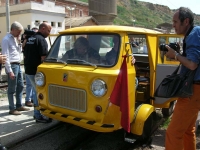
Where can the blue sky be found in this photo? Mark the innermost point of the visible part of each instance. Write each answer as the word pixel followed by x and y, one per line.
pixel 194 5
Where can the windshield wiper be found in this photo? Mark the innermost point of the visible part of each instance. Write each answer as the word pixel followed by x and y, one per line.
pixel 55 59
pixel 77 61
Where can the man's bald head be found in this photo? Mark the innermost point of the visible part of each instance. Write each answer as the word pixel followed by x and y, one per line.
pixel 45 29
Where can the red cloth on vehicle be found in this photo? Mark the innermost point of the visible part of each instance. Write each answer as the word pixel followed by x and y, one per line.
pixel 119 96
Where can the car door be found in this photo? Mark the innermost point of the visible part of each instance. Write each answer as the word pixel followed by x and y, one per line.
pixel 164 65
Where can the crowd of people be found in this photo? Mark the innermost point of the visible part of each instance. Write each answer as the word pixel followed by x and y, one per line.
pixel 35 51
pixel 181 130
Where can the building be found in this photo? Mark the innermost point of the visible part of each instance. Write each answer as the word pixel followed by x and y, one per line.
pixel 76 13
pixel 61 14
pixel 74 8
pixel 31 14
pixel 165 28
pixel 80 21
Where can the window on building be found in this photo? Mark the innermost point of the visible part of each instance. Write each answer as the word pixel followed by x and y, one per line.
pixel 16 1
pixel 53 24
pixel 80 13
pixel 59 24
pixel 37 22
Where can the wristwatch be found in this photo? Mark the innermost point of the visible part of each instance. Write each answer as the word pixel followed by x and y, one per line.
pixel 176 55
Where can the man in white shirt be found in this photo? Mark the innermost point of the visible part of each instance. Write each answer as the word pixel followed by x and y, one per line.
pixel 12 49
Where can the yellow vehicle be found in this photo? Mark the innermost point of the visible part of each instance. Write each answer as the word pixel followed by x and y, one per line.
pixel 77 90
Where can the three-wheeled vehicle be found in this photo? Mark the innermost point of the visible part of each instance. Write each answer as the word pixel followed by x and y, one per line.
pixel 77 89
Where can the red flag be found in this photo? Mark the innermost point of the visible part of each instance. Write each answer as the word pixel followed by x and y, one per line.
pixel 119 96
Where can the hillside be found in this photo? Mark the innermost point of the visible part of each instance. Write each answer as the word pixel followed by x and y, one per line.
pixel 145 14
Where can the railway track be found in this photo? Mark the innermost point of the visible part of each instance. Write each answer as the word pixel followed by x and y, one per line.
pixel 69 137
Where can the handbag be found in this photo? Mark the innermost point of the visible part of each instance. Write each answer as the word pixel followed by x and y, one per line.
pixel 176 85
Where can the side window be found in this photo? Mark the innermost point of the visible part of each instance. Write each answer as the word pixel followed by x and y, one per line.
pixel 138 44
pixel 174 42
pixel 140 48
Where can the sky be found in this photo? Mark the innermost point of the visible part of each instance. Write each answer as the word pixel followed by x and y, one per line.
pixel 194 5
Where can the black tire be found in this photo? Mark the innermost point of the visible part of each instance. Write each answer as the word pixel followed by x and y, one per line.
pixel 148 127
pixel 145 138
pixel 168 111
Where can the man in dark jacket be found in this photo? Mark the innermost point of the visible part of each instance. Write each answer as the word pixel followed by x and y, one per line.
pixel 35 51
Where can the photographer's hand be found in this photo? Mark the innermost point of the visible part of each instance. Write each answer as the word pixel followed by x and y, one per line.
pixel 171 53
pixel 183 60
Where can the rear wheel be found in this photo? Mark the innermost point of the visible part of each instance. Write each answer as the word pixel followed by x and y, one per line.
pixel 168 111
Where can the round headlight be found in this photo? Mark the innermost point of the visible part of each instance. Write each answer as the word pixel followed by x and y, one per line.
pixel 98 87
pixel 39 79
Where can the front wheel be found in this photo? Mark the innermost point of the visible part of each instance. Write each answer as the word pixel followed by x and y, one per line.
pixel 146 135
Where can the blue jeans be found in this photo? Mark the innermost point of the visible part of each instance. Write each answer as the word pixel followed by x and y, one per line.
pixel 29 90
pixel 15 86
pixel 37 113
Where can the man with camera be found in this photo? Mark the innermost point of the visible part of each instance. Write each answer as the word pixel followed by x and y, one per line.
pixel 181 130
pixel 27 34
pixel 29 88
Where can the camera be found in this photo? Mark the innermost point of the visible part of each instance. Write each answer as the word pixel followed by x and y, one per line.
pixel 174 46
pixel 26 35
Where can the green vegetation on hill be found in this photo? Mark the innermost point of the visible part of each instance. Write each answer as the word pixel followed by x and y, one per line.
pixel 148 15
pixel 84 1
pixel 144 14
pixel 138 14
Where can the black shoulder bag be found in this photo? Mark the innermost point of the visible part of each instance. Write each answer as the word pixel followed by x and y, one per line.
pixel 176 85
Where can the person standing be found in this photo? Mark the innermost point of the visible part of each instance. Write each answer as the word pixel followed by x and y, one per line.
pixel 180 133
pixel 12 50
pixel 2 61
pixel 29 87
pixel 35 51
pixel 134 43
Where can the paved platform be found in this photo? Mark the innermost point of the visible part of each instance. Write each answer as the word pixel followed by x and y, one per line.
pixel 16 128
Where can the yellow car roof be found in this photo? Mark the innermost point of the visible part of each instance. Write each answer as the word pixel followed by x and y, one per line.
pixel 109 28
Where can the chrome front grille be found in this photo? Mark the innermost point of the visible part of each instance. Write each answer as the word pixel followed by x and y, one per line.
pixel 66 97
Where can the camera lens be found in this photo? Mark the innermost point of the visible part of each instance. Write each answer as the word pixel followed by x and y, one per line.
pixel 163 48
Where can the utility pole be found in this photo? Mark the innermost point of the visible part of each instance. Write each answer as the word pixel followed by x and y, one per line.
pixel 7 15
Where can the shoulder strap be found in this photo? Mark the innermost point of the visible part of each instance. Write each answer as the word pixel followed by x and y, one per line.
pixel 176 70
pixel 184 44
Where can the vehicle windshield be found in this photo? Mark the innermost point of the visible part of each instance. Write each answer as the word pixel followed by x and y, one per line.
pixel 86 49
